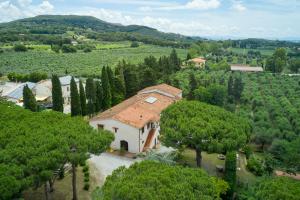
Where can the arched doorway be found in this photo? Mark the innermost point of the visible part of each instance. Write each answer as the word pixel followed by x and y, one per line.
pixel 124 145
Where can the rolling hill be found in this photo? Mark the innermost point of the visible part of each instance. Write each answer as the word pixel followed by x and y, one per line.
pixel 40 26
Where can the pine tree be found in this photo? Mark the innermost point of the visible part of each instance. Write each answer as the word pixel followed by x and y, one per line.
pixel 82 99
pixel 29 99
pixel 193 86
pixel 57 98
pixel 90 95
pixel 107 99
pixel 75 99
pixel 99 96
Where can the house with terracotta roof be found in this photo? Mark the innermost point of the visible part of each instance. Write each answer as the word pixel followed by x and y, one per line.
pixel 197 62
pixel 135 121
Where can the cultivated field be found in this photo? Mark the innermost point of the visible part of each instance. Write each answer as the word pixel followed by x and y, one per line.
pixel 44 60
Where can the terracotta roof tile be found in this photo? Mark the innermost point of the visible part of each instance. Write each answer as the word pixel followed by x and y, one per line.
pixel 162 87
pixel 136 111
pixel 198 60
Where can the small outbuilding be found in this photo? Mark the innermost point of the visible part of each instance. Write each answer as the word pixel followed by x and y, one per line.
pixel 246 68
pixel 197 62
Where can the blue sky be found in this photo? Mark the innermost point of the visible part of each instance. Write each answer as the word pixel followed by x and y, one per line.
pixel 272 19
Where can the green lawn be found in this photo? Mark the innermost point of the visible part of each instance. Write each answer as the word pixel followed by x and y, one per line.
pixel 63 188
pixel 78 63
pixel 264 52
pixel 209 162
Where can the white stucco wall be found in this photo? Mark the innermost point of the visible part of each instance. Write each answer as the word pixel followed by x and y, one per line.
pixel 124 132
pixel 66 93
pixel 134 136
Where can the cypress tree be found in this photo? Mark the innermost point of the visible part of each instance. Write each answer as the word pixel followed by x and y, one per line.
pixel 148 77
pixel 238 88
pixel 57 98
pixel 131 80
pixel 29 99
pixel 75 99
pixel 230 89
pixel 120 90
pixel 193 86
pixel 82 99
pixel 119 73
pixel 111 79
pixel 230 173
pixel 90 95
pixel 188 56
pixel 90 107
pixel 106 103
pixel 175 61
pixel 99 96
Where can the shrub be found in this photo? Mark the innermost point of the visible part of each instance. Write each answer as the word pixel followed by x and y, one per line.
pixel 1 51
pixel 20 47
pixel 68 49
pixel 87 50
pixel 86 186
pixel 247 150
pixel 134 44
pixel 86 174
pixel 255 166
pixel 85 169
pixel 61 173
pixel 55 48
pixel 86 179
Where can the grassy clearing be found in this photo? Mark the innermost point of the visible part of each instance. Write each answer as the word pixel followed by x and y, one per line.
pixel 115 45
pixel 209 162
pixel 264 52
pixel 77 63
pixel 63 188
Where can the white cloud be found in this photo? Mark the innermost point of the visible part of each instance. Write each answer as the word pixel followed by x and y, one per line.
pixel 106 15
pixel 145 9
pixel 24 8
pixel 196 5
pixel 238 6
pixel 203 4
pixel 24 3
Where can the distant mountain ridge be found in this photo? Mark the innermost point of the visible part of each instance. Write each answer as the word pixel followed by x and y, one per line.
pixel 59 24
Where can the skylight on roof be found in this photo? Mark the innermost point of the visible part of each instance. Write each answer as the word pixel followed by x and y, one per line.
pixel 151 100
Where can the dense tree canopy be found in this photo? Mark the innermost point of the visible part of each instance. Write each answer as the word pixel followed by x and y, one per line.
pixel 31 148
pixel 150 180
pixel 202 127
pixel 277 188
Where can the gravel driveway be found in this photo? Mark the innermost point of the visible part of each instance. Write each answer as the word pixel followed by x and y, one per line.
pixel 106 163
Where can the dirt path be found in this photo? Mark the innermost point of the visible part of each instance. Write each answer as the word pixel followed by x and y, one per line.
pixel 281 173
